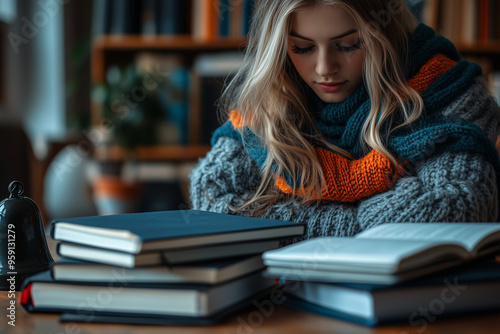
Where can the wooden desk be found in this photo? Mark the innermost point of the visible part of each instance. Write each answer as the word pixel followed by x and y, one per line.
pixel 282 320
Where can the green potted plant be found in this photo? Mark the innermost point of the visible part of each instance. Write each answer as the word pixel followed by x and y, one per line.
pixel 133 113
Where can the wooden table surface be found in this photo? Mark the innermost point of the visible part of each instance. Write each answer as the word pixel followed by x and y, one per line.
pixel 250 321
pixel 280 320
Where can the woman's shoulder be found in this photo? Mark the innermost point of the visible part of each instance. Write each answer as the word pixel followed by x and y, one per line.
pixel 478 106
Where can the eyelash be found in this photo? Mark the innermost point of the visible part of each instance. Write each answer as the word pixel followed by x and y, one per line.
pixel 301 51
pixel 343 49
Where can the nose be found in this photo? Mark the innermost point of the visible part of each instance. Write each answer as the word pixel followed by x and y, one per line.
pixel 327 63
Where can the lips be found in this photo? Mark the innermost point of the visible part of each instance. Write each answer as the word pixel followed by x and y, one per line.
pixel 330 87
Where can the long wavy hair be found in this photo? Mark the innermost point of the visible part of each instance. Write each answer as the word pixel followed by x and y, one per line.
pixel 275 103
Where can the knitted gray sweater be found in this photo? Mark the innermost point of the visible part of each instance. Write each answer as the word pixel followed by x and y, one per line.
pixel 449 187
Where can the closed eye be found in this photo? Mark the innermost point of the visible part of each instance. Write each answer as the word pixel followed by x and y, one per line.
pixel 347 49
pixel 301 51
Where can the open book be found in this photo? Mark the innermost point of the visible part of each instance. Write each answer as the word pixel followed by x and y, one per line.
pixel 385 254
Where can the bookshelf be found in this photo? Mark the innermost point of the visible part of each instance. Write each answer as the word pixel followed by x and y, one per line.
pixel 106 49
pixel 200 32
pixel 472 25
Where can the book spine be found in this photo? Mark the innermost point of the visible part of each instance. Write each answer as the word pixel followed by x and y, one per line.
pixel 124 18
pixel 236 28
pixel 173 17
pixel 247 15
pixel 494 84
pixel 224 11
pixel 493 19
pixel 484 21
pixel 430 13
pixel 149 17
pixel 178 97
pixel 209 20
pixel 100 17
pixel 449 15
pixel 469 31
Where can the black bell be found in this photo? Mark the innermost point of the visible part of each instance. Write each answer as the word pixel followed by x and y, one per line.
pixel 23 248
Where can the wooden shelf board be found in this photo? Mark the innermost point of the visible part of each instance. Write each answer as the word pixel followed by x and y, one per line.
pixel 486 48
pixel 162 152
pixel 139 42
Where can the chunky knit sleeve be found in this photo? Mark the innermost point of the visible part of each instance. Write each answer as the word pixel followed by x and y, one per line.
pixel 227 173
pixel 452 187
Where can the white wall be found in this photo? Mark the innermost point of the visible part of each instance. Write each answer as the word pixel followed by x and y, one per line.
pixel 36 71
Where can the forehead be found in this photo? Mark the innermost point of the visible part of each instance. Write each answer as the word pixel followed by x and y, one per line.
pixel 321 22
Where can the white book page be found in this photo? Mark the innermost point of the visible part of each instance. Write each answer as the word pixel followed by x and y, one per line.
pixel 349 254
pixel 466 234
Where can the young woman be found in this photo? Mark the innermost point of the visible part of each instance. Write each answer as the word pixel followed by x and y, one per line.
pixel 347 114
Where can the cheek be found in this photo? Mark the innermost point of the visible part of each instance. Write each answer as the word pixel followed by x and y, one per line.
pixel 353 67
pixel 301 65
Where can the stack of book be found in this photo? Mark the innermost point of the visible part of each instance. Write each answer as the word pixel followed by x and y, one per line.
pixel 159 267
pixel 412 273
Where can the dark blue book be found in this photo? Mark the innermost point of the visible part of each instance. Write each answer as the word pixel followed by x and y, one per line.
pixel 162 230
pixel 247 15
pixel 101 16
pixel 149 17
pixel 41 293
pixel 125 17
pixel 474 288
pixel 172 17
pixel 224 13
pixel 176 98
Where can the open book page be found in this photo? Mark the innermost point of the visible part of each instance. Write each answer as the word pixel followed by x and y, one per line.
pixel 361 255
pixel 469 235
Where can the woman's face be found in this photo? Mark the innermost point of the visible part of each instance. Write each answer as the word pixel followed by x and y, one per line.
pixel 325 48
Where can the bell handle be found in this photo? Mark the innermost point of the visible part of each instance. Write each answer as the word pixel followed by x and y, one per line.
pixel 16 189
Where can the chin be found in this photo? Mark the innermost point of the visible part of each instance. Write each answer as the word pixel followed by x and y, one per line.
pixel 332 98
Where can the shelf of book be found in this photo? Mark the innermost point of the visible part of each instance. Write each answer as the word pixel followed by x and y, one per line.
pixel 169 42
pixel 472 25
pixel 164 30
pixel 487 48
pixel 138 43
pixel 474 28
pixel 108 49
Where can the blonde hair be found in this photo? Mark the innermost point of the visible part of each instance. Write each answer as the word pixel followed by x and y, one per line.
pixel 274 102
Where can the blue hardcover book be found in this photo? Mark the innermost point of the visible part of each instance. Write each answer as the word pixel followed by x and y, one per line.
pixel 125 17
pixel 149 17
pixel 474 288
pixel 101 15
pixel 178 101
pixel 247 15
pixel 224 14
pixel 173 17
pixel 41 293
pixel 162 230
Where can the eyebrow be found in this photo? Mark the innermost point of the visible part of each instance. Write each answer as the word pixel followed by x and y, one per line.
pixel 347 33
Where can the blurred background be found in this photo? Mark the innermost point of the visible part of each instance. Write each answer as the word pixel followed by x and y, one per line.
pixel 106 105
pixel 44 86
